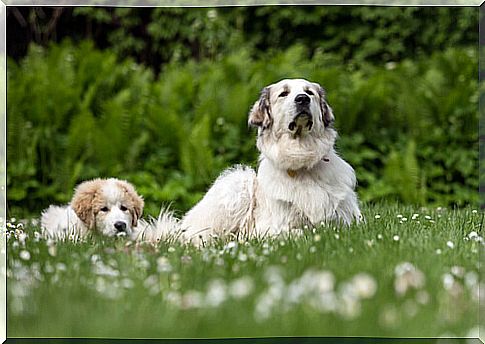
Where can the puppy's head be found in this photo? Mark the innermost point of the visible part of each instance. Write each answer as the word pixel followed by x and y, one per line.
pixel 294 106
pixel 110 206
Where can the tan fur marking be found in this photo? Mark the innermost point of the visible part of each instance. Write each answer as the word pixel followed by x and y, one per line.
pixel 132 200
pixel 87 201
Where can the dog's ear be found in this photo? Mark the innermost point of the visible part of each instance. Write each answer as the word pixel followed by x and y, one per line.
pixel 137 209
pixel 134 201
pixel 83 201
pixel 260 114
pixel 327 113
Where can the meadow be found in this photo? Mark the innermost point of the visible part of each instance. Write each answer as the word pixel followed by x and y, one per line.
pixel 160 97
pixel 406 272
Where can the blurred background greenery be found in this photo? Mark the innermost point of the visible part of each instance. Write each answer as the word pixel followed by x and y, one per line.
pixel 160 96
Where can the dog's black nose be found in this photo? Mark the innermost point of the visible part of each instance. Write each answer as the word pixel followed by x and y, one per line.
pixel 120 226
pixel 302 99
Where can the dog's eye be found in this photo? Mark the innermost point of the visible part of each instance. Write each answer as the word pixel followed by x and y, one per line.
pixel 310 93
pixel 104 209
pixel 123 208
pixel 283 94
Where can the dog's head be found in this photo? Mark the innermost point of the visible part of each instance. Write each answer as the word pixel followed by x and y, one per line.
pixel 111 206
pixel 294 124
pixel 295 106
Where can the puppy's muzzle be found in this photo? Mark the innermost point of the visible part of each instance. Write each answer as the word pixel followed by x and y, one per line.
pixel 120 226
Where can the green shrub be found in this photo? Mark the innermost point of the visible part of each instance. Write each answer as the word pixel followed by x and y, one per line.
pixel 409 129
pixel 354 34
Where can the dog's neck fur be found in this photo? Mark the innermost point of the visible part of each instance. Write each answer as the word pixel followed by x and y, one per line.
pixel 292 155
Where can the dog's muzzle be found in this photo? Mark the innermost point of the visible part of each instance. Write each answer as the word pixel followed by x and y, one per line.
pixel 303 119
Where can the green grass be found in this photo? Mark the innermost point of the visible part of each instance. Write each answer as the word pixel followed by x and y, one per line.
pixel 330 282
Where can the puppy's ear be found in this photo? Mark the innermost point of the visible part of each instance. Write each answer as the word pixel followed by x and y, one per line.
pixel 134 201
pixel 260 114
pixel 327 113
pixel 83 201
pixel 137 209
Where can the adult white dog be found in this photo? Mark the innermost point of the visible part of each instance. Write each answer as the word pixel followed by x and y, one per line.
pixel 300 180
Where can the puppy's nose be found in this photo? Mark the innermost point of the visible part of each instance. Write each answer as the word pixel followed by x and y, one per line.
pixel 302 99
pixel 120 226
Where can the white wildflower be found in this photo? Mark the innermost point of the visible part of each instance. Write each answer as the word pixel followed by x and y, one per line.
pixel 163 265
pixel 52 250
pixel 25 255
pixel 458 271
pixel 407 277
pixel 191 299
pixel 241 287
pixel 364 285
pixel 216 293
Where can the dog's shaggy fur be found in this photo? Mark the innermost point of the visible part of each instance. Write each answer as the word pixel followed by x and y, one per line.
pixel 300 180
pixel 109 206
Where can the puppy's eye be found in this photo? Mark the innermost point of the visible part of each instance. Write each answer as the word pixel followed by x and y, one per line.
pixel 310 93
pixel 104 209
pixel 283 94
pixel 123 208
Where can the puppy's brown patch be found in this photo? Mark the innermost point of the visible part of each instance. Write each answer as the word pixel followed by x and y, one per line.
pixel 87 201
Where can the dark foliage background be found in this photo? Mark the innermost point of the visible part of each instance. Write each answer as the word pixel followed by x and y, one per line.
pixel 160 96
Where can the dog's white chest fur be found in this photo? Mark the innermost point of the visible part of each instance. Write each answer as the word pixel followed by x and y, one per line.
pixel 304 197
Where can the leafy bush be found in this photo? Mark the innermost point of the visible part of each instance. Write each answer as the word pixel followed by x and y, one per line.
pixel 154 36
pixel 409 129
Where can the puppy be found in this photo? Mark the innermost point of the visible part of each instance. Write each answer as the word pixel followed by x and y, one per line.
pixel 300 180
pixel 108 206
